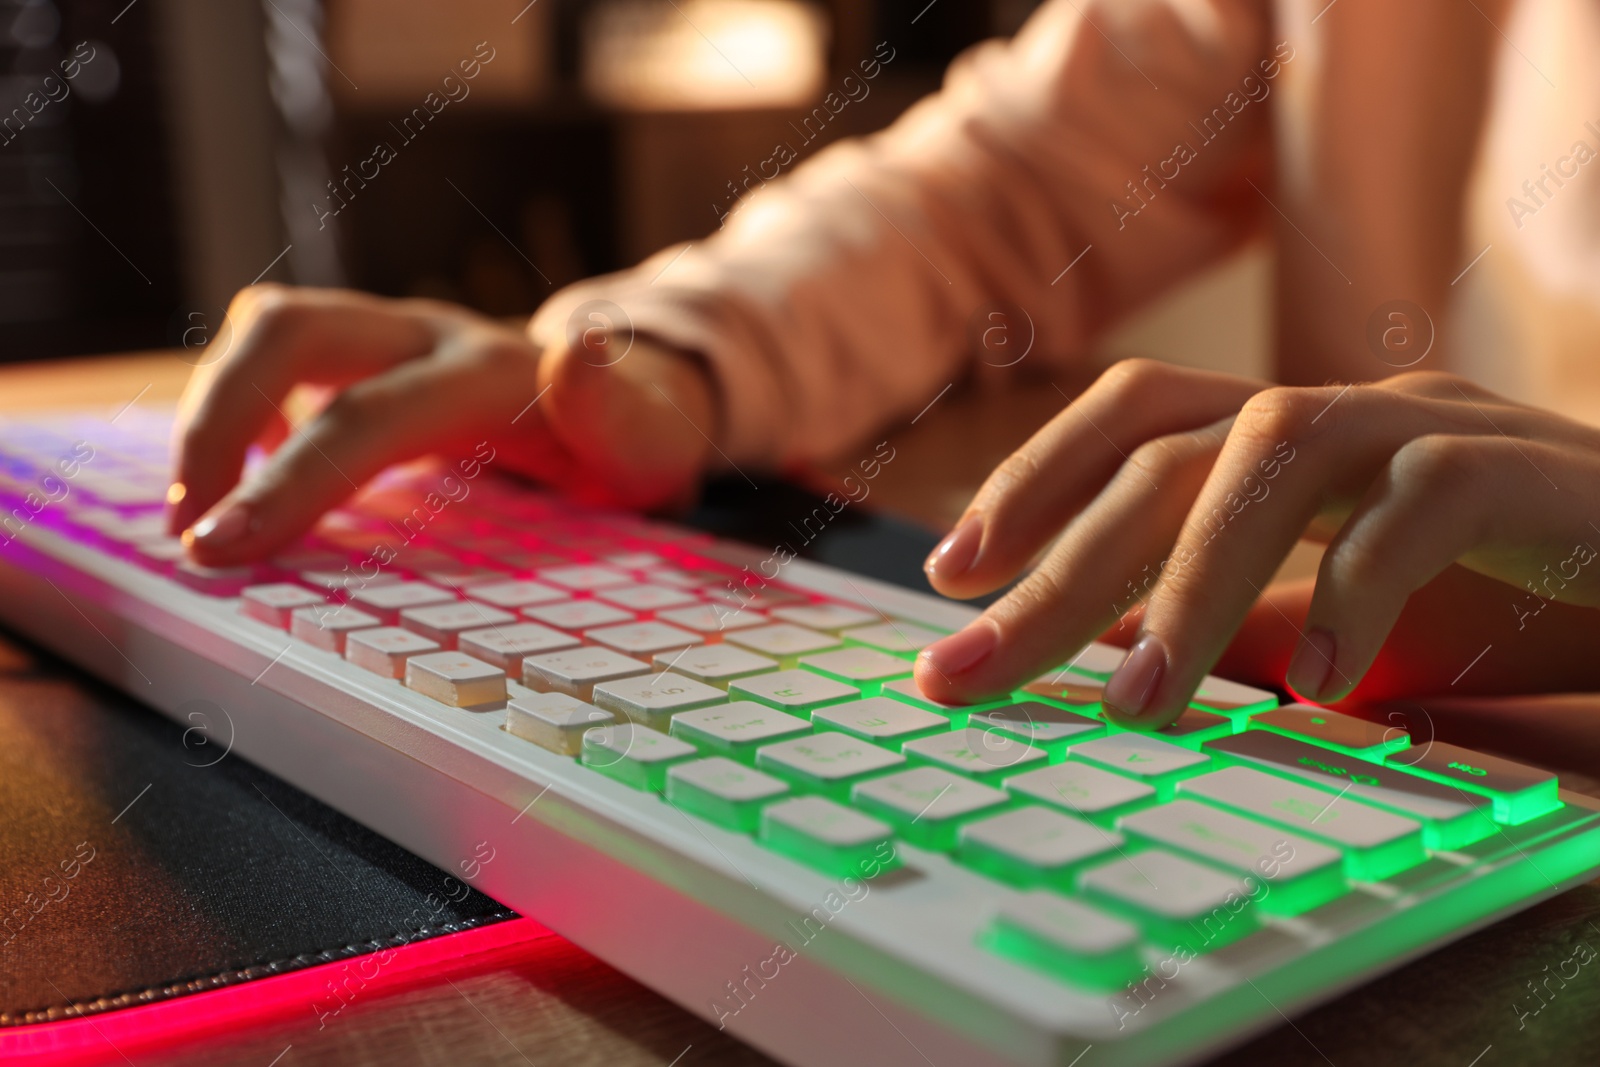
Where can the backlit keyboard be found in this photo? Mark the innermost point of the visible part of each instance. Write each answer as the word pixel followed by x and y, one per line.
pixel 729 786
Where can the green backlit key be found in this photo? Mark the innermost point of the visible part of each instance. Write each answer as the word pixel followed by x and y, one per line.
pixel 928 805
pixel 794 691
pixel 736 730
pixel 1068 688
pixel 1176 900
pixel 1033 845
pixel 634 755
pixel 880 720
pixel 1072 941
pixel 1044 726
pixel 1300 874
pixel 987 755
pixel 722 791
pixel 829 837
pixel 716 664
pixel 1231 698
pixel 856 665
pixel 1153 761
pixel 1082 789
pixel 906 689
pixel 1195 727
pixel 1519 793
pixel 1345 733
pixel 653 699
pixel 1376 843
pixel 904 638
pixel 827 762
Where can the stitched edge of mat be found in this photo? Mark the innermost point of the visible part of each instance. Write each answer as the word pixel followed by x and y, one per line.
pixel 235 976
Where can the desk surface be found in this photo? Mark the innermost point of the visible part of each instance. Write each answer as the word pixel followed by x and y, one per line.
pixel 1469 1005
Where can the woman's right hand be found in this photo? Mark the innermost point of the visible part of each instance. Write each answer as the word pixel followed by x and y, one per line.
pixel 408 378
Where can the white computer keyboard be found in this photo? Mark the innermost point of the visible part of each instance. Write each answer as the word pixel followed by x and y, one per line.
pixel 731 789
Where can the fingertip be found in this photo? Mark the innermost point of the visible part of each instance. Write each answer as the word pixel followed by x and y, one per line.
pixel 953 558
pixel 946 669
pixel 1131 696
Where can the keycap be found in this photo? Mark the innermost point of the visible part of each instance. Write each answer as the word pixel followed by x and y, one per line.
pixel 743 597
pixel 906 689
pixel 445 622
pixel 1450 817
pixel 575 671
pixel 1150 759
pixel 1376 843
pixel 711 618
pixel 458 578
pixel 130 528
pixel 385 649
pixel 927 805
pixel 584 577
pixel 723 791
pixel 1044 726
pixel 987 755
pixel 327 625
pixel 716 664
pixel 554 721
pixel 1194 728
pixel 577 615
pixel 274 604
pixel 1067 687
pixel 642 638
pixel 653 699
pixel 880 720
pixel 634 755
pixel 1072 941
pixel 1358 737
pixel 633 561
pixel 515 594
pixel 794 691
pixel 345 581
pixel 893 636
pixel 505 646
pixel 826 763
pixel 1300 873
pixel 829 837
pixel 213 581
pixel 737 730
pixel 1081 789
pixel 1231 698
pixel 1176 900
pixel 856 665
pixel 829 617
pixel 1034 846
pixel 1098 660
pixel 783 641
pixel 161 549
pixel 386 601
pixel 646 597
pixel 456 679
pixel 1518 792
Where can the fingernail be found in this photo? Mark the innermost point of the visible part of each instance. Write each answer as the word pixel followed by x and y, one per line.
pixel 962 650
pixel 1129 691
pixel 1312 664
pixel 954 556
pixel 219 530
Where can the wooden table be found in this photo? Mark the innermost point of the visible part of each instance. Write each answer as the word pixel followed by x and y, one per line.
pixel 555 1004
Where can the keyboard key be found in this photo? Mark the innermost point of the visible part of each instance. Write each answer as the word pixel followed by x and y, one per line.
pixel 1067 687
pixel 575 671
pixel 711 618
pixel 893 636
pixel 130 528
pixel 1151 760
pixel 794 691
pixel 385 649
pixel 1067 939
pixel 1300 873
pixel 577 615
pixel 758 599
pixel 584 577
pixel 445 622
pixel 505 646
pixel 1034 846
pixel 724 792
pixel 1043 726
pixel 514 595
pixel 634 755
pixel 634 561
pixel 327 625
pixel 716 664
pixel 987 755
pixel 927 805
pixel 1098 660
pixel 456 679
pixel 829 837
pixel 1176 900
pixel 642 638
pixel 161 549
pixel 1348 734
pixel 213 581
pixel 783 641
pixel 906 689
pixel 1518 792
pixel 653 699
pixel 274 604
pixel 1195 727
pixel 880 720
pixel 1082 789
pixel 737 730
pixel 857 665
pixel 1376 843
pixel 829 617
pixel 386 601
pixel 827 762
pixel 554 721
pixel 1450 817
pixel 344 581
pixel 646 597
pixel 1231 698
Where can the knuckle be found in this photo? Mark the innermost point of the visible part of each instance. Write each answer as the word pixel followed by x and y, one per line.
pixel 1160 457
pixel 1286 413
pixel 1440 463
pixel 1017 473
pixel 1130 379
pixel 1425 382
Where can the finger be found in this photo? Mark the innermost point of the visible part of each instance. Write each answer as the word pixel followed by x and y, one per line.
pixel 1030 496
pixel 1103 565
pixel 441 404
pixel 280 336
